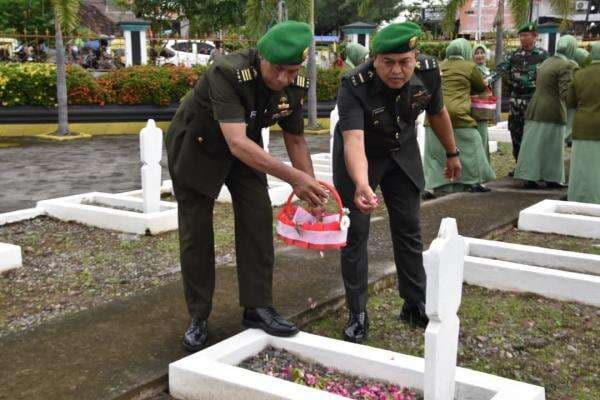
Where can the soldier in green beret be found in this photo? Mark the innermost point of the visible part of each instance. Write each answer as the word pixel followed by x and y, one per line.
pixel 215 139
pixel 375 144
pixel 520 68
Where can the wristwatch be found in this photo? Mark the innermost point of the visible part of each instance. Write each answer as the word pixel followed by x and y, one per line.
pixel 455 154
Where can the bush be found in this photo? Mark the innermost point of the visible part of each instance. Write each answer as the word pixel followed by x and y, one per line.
pixel 434 49
pixel 327 83
pixel 34 84
pixel 27 84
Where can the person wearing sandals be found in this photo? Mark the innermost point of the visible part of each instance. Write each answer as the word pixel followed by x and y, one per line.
pixel 542 150
pixel 460 78
pixel 584 184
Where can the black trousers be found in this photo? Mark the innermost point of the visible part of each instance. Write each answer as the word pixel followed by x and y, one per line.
pixel 402 200
pixel 253 242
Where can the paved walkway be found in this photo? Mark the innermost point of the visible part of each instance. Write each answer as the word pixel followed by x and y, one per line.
pixel 40 171
pixel 113 350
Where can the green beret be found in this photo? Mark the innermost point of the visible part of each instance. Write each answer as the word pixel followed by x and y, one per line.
pixel 396 38
pixel 528 27
pixel 286 43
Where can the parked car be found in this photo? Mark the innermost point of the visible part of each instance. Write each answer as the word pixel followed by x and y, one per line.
pixel 185 53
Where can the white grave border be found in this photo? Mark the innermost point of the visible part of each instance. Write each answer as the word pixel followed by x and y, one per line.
pixel 560 217
pixel 531 269
pixel 213 372
pixel 10 257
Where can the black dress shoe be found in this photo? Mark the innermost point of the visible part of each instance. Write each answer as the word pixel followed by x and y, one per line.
pixel 511 173
pixel 357 328
pixel 196 335
pixel 269 321
pixel 530 185
pixel 479 188
pixel 427 195
pixel 414 315
pixel 555 185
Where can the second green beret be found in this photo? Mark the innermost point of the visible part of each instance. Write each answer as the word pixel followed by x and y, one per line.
pixel 286 43
pixel 396 38
pixel 528 27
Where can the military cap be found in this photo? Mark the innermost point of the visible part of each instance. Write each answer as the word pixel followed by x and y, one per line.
pixel 286 43
pixel 528 27
pixel 396 38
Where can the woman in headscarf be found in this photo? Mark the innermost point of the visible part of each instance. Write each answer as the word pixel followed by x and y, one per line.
pixel 584 183
pixel 579 61
pixel 356 54
pixel 460 78
pixel 480 57
pixel 541 155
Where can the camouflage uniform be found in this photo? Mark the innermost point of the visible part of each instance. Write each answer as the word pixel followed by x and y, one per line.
pixel 521 69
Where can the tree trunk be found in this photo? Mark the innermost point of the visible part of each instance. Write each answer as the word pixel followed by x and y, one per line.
pixel 499 56
pixel 312 73
pixel 61 82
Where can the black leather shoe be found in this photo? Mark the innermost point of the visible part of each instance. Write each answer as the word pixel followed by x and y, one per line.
pixel 479 188
pixel 269 321
pixel 530 185
pixel 196 335
pixel 427 195
pixel 511 173
pixel 357 328
pixel 414 315
pixel 555 185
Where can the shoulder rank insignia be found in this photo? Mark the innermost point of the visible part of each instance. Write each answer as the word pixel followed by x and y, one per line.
pixel 245 74
pixel 302 81
pixel 426 64
pixel 361 77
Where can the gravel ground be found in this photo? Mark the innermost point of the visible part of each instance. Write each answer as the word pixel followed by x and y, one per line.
pixel 285 365
pixel 68 267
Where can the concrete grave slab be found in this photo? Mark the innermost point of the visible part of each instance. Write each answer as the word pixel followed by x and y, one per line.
pixel 10 257
pixel 20 215
pixel 562 217
pixel 514 267
pixel 212 373
pixel 102 211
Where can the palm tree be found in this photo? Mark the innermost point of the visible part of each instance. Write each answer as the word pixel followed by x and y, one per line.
pixel 65 19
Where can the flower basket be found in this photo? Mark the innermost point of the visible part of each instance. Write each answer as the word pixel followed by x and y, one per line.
pixel 483 109
pixel 298 227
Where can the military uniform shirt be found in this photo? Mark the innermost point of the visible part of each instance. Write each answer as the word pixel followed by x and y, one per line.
pixel 387 116
pixel 231 90
pixel 520 66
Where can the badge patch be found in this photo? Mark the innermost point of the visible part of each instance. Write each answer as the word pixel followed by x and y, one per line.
pixel 378 110
pixel 253 114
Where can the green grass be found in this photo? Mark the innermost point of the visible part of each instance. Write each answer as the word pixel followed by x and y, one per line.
pixel 548 240
pixel 502 161
pixel 518 336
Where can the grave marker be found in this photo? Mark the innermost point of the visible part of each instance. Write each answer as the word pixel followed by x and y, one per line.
pixel 150 154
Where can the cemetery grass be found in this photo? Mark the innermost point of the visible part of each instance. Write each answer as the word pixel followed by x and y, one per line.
pixel 69 267
pixel 503 162
pixel 518 336
pixel 548 240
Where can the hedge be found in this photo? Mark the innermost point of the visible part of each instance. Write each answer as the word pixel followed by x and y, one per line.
pixel 34 84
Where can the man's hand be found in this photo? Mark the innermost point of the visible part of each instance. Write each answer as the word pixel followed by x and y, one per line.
pixel 452 169
pixel 365 200
pixel 307 188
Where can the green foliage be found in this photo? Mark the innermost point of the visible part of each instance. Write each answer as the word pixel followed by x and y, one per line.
pixel 67 13
pixel 157 12
pixel 328 83
pixel 29 15
pixel 434 49
pixel 35 85
pixel 262 14
pixel 330 15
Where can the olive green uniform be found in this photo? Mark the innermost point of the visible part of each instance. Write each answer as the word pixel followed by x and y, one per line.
pixel 521 69
pixel 231 90
pixel 387 117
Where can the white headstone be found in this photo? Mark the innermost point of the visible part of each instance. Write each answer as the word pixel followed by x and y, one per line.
pixel 150 154
pixel 444 267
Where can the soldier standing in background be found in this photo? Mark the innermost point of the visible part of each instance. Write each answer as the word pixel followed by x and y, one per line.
pixel 520 66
